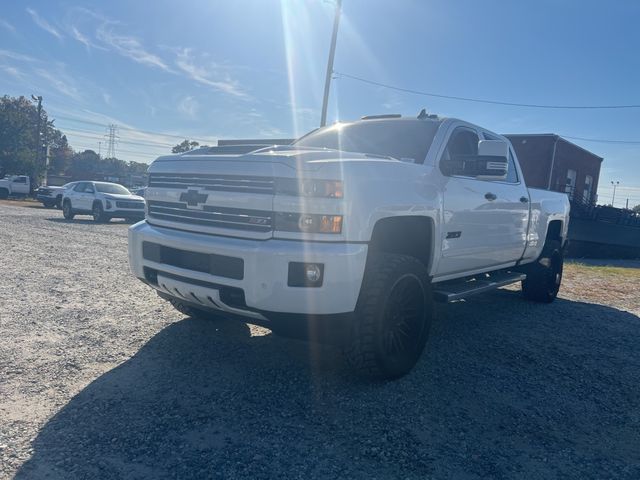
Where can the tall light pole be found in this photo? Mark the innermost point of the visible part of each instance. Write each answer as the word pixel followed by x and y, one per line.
pixel 613 200
pixel 332 54
pixel 39 134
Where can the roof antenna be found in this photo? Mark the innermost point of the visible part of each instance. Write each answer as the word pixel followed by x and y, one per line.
pixel 423 114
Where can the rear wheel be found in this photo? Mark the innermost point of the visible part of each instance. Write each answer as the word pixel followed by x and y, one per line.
pixel 392 318
pixel 67 211
pixel 544 277
pixel 49 204
pixel 4 193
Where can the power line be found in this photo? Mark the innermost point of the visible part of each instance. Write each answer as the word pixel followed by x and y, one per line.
pixel 130 152
pixel 97 136
pixel 478 100
pixel 149 132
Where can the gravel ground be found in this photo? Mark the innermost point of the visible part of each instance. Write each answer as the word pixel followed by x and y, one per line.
pixel 99 378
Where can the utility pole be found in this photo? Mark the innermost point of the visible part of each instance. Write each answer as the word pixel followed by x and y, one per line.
pixel 99 148
pixel 39 134
pixel 627 206
pixel 45 148
pixel 332 54
pixel 613 200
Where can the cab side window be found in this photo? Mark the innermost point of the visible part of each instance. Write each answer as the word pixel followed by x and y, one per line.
pixel 20 180
pixel 89 188
pixel 80 187
pixel 463 141
pixel 512 173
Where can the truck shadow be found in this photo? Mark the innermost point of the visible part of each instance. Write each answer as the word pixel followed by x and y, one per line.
pixel 506 388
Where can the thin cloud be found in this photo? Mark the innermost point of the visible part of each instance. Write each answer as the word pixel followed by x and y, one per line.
pixel 83 39
pixel 7 26
pixel 189 106
pixel 131 48
pixel 13 71
pixel 16 56
pixel 43 24
pixel 200 74
pixel 60 82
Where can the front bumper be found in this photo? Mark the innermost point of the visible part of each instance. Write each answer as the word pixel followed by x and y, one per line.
pixel 266 267
pixel 45 198
pixel 125 213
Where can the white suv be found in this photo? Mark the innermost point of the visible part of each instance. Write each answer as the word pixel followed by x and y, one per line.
pixel 103 201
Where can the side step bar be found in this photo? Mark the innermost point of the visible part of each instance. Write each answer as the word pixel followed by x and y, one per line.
pixel 453 290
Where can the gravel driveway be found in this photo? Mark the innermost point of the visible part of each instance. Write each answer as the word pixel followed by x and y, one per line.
pixel 99 378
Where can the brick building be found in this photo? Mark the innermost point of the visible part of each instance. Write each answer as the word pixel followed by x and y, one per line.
pixel 551 162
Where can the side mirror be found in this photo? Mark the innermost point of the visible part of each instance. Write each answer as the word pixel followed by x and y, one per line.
pixel 496 164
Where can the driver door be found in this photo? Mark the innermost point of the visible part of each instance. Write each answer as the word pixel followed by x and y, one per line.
pixel 470 219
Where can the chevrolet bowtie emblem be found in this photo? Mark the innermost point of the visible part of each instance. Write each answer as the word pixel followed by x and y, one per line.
pixel 193 198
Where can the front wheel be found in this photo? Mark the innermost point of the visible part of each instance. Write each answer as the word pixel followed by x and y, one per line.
pixel 393 316
pixel 98 213
pixel 67 211
pixel 544 277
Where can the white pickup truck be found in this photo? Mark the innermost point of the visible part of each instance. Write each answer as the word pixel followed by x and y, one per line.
pixel 350 233
pixel 15 186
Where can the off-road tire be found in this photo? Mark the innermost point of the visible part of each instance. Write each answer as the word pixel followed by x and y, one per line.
pixel 386 338
pixel 192 312
pixel 49 204
pixel 4 193
pixel 545 276
pixel 67 211
pixel 98 213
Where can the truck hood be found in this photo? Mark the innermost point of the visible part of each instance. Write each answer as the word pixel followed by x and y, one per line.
pixel 114 196
pixel 288 155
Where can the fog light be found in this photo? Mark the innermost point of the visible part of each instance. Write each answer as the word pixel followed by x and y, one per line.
pixel 305 274
pixel 312 272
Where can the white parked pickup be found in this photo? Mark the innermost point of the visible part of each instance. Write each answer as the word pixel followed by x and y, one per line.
pixel 15 186
pixel 351 233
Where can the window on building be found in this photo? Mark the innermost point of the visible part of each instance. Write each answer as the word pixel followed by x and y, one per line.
pixel 588 189
pixel 570 187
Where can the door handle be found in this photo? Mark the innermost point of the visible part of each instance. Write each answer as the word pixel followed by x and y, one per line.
pixel 524 199
pixel 490 196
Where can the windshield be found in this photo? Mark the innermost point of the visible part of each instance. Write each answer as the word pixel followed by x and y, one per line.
pixel 112 188
pixel 404 140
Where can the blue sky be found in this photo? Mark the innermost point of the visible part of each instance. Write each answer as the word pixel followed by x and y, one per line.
pixel 207 69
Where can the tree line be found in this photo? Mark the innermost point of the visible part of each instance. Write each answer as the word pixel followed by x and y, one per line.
pixel 23 147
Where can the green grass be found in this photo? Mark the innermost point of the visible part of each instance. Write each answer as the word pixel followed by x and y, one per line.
pixel 604 269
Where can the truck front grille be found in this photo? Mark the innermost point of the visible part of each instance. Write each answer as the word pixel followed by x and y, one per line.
pixel 211 216
pixel 222 183
pixel 127 204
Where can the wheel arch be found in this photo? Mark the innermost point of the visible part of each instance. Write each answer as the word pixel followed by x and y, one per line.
pixel 554 231
pixel 406 235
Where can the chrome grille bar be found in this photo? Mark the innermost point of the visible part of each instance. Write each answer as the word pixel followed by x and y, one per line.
pixel 212 216
pixel 224 183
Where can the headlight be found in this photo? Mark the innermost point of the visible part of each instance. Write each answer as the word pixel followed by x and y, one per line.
pixel 309 187
pixel 308 223
pixel 108 204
